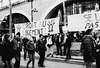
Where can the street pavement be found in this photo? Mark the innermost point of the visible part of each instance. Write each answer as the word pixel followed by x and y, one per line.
pixel 56 61
pixel 48 64
pixel 53 62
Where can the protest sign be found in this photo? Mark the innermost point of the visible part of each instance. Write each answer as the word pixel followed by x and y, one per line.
pixel 19 28
pixel 81 22
pixel 40 27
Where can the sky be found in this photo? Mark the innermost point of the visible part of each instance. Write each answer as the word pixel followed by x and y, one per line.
pixel 6 2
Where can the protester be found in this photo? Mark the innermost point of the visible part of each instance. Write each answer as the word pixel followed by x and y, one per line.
pixel 98 52
pixel 57 43
pixel 31 51
pixel 68 46
pixel 6 51
pixel 17 47
pixel 41 48
pixel 61 39
pixel 49 45
pixel 64 43
pixel 87 48
pixel 0 45
pixel 25 40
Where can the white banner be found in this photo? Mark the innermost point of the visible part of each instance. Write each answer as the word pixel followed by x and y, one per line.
pixel 81 22
pixel 41 27
pixel 19 28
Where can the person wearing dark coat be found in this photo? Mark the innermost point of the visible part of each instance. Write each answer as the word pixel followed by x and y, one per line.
pixel 87 48
pixel 25 40
pixel 98 53
pixel 68 47
pixel 6 51
pixel 59 40
pixel 41 48
pixel 64 43
pixel 57 44
pixel 17 46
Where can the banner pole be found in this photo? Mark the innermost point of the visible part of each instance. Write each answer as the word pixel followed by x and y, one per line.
pixel 10 19
pixel 64 11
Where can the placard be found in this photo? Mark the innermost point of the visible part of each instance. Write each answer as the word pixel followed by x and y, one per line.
pixel 40 27
pixel 81 22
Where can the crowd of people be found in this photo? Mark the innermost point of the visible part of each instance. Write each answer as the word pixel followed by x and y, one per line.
pixel 11 48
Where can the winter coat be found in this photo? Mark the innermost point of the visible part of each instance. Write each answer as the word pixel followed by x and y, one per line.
pixel 68 42
pixel 40 46
pixel 6 50
pixel 87 48
pixel 17 45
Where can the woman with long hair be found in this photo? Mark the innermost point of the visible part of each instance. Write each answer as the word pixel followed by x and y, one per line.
pixel 31 51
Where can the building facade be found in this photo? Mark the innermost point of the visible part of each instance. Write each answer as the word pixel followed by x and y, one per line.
pixel 44 9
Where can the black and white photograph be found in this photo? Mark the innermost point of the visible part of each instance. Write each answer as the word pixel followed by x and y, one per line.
pixel 49 33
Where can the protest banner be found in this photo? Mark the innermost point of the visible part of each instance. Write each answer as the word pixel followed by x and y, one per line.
pixel 19 28
pixel 82 22
pixel 40 27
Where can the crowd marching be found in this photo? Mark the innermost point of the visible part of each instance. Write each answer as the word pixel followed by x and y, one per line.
pixel 11 48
